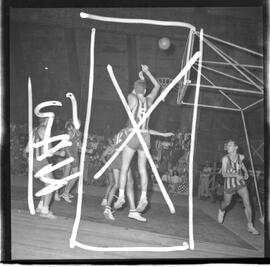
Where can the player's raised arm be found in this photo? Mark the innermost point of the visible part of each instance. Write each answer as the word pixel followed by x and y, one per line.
pixel 152 96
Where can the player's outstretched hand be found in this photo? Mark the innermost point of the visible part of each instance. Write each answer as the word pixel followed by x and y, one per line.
pixel 141 75
pixel 145 68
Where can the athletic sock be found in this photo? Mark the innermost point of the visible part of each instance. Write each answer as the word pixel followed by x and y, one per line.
pixel 143 195
pixel 133 210
pixel 45 210
pixel 40 204
pixel 121 193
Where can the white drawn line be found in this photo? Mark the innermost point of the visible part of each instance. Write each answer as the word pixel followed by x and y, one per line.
pixel 84 144
pixel 149 111
pixel 185 246
pixel 74 111
pixel 141 139
pixel 138 21
pixel 192 146
pixel 30 150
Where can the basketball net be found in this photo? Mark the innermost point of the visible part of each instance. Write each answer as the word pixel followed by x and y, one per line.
pixel 165 81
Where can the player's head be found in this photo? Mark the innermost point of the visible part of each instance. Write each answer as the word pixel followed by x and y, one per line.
pixel 140 87
pixel 43 120
pixel 231 146
pixel 70 127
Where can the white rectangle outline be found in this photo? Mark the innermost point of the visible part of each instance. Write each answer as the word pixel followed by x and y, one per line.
pixel 73 241
pixel 185 246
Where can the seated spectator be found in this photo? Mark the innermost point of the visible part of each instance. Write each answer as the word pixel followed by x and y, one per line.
pixel 166 177
pixel 204 180
pixel 183 173
pixel 174 181
pixel 164 163
pixel 261 188
pixel 217 189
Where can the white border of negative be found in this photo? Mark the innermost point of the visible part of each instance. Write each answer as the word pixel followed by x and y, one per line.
pixel 185 246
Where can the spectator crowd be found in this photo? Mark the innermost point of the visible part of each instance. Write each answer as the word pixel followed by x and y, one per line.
pixel 170 155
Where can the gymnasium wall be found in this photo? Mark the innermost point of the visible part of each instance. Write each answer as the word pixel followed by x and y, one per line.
pixel 59 40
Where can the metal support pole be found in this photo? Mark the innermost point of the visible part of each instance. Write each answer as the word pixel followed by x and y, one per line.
pixel 241 66
pixel 225 95
pixel 226 57
pixel 228 64
pixel 234 45
pixel 228 89
pixel 210 106
pixel 227 75
pixel 251 161
pixel 253 104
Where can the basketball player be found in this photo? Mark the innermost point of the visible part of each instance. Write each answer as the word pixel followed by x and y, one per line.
pixel 71 151
pixel 232 170
pixel 106 154
pixel 116 168
pixel 38 135
pixel 138 105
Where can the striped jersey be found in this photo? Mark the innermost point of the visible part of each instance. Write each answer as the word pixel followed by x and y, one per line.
pixel 118 139
pixel 231 184
pixel 139 111
pixel 40 150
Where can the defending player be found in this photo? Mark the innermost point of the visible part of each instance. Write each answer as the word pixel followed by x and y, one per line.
pixel 234 182
pixel 138 104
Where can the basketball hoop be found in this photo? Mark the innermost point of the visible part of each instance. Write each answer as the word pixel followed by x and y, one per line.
pixel 164 82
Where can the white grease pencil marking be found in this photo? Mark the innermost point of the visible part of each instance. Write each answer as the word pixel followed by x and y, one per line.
pixel 84 144
pixel 73 241
pixel 74 110
pixel 141 139
pixel 30 150
pixel 185 246
pixel 53 184
pixel 149 111
pixel 192 146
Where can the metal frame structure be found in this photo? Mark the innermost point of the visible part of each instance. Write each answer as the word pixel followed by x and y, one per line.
pixel 249 79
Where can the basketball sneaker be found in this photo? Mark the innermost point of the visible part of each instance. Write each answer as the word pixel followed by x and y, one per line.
pixel 66 198
pixel 48 215
pixel 104 202
pixel 221 215
pixel 108 214
pixel 142 205
pixel 57 197
pixel 118 204
pixel 134 214
pixel 252 229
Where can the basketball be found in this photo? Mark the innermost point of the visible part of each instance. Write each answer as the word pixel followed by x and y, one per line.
pixel 164 43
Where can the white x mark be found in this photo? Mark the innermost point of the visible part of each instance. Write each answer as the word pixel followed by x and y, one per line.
pixel 136 127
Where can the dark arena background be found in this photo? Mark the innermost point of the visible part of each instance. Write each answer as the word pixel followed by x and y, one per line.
pixel 51 46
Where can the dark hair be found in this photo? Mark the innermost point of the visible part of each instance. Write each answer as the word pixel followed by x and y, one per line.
pixel 69 124
pixel 139 86
pixel 230 140
pixel 175 172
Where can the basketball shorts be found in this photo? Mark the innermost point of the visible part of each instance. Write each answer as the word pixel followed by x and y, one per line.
pixel 117 163
pixel 38 165
pixel 135 143
pixel 232 185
